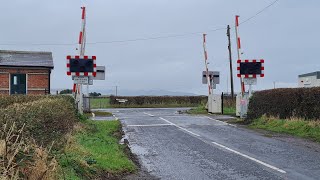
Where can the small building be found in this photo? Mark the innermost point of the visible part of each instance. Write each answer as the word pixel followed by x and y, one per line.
pixel 309 79
pixel 25 72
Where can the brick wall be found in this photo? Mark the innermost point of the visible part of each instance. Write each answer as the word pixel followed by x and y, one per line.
pixel 37 79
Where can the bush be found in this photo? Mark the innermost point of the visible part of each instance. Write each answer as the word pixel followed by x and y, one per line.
pixel 302 103
pixel 5 101
pixel 66 91
pixel 46 119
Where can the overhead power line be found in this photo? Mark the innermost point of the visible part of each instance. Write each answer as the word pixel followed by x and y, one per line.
pixel 142 39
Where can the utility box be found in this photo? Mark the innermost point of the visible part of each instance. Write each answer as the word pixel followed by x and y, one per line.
pixel 214 104
pixel 241 111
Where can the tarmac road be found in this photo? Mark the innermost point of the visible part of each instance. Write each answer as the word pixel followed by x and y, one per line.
pixel 179 146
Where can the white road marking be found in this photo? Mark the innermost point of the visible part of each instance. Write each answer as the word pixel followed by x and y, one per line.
pixel 222 122
pixel 149 125
pixel 115 117
pixel 148 114
pixel 180 127
pixel 251 158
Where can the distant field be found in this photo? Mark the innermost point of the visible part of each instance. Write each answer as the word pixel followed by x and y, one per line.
pixel 98 103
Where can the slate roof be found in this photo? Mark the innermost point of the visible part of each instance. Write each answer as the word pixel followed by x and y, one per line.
pixel 317 73
pixel 26 59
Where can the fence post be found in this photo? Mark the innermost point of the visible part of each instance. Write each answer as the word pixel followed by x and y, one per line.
pixel 222 103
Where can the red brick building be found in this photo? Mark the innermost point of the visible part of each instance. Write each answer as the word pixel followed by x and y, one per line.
pixel 25 72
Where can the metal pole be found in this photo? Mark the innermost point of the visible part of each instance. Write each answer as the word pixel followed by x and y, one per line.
pixel 116 91
pixel 230 58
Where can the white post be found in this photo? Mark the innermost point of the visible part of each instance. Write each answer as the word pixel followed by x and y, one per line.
pixel 250 90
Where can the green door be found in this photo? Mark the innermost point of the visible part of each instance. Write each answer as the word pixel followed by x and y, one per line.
pixel 18 84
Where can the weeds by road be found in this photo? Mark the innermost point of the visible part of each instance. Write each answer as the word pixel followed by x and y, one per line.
pixel 93 151
pixel 203 110
pixel 296 127
pixel 98 113
pixel 198 110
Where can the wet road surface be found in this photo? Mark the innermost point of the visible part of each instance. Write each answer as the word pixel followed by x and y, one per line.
pixel 170 145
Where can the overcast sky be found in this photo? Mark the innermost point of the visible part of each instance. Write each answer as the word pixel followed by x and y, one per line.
pixel 286 35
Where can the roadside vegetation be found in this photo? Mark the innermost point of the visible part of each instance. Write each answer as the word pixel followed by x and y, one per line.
pixel 202 110
pixel 98 113
pixel 296 127
pixel 93 151
pixel 198 110
pixel 42 137
pixel 294 111
pixel 147 101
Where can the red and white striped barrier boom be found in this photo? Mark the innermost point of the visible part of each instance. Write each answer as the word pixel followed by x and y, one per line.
pixel 82 35
pixel 206 64
pixel 82 39
pixel 239 51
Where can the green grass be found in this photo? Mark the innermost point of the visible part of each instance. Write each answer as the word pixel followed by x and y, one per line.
pixel 99 103
pixel 203 110
pixel 296 127
pixel 99 113
pixel 198 110
pixel 229 111
pixel 94 150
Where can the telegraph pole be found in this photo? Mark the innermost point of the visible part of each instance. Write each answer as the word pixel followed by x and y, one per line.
pixel 116 91
pixel 230 58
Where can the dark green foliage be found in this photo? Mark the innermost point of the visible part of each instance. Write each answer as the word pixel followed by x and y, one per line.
pixel 303 103
pixel 94 94
pixel 160 100
pixel 46 118
pixel 5 101
pixel 66 91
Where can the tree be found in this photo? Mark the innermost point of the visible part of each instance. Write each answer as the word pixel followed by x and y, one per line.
pixel 66 91
pixel 94 94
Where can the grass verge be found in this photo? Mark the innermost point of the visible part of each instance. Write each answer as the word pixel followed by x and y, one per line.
pixel 93 152
pixel 296 127
pixel 203 110
pixel 99 113
pixel 198 110
pixel 229 111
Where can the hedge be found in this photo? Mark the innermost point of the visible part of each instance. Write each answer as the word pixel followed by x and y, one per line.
pixel 5 100
pixel 302 103
pixel 160 100
pixel 46 119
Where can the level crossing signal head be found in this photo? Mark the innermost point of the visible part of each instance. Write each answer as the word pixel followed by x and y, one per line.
pixel 81 65
pixel 250 68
